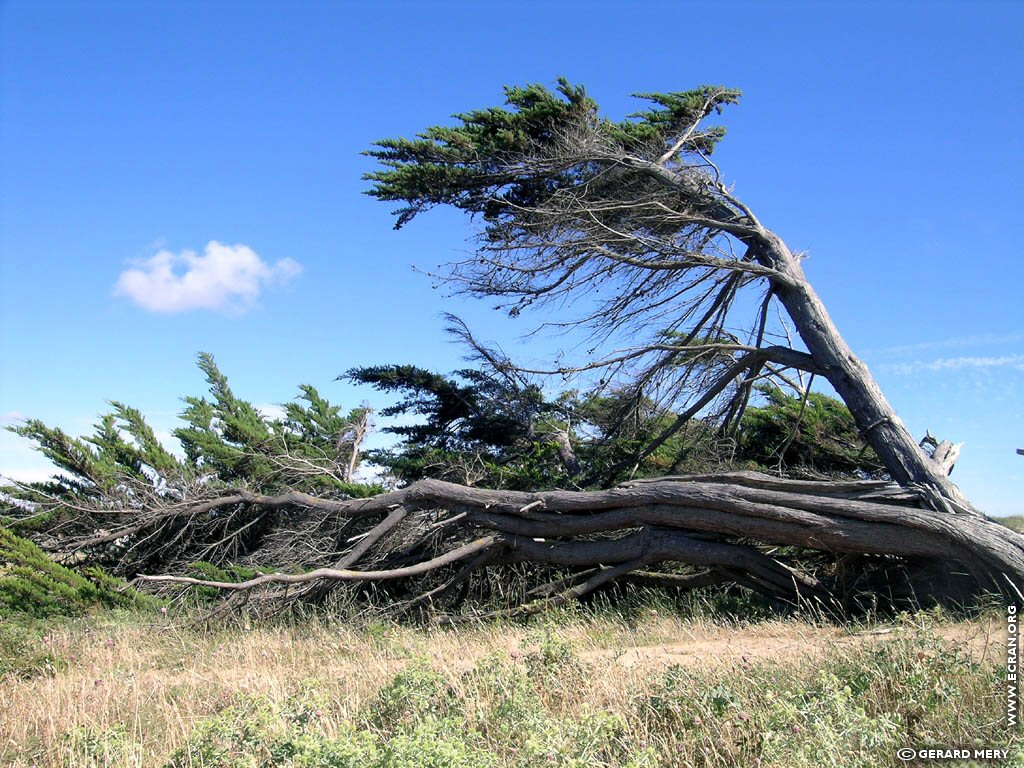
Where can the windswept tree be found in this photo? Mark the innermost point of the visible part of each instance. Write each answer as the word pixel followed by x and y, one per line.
pixel 313 446
pixel 632 222
pixel 123 501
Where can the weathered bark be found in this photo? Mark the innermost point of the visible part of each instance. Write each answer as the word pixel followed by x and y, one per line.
pixel 944 453
pixel 566 454
pixel 728 525
pixel 829 353
pixel 354 436
pixel 882 428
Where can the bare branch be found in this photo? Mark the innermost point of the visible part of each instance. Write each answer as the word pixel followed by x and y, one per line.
pixel 333 573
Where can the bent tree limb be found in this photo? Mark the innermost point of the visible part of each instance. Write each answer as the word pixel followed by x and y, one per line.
pixel 568 203
pixel 903 458
pixel 748 528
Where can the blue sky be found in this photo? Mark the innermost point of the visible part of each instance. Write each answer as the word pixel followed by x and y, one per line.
pixel 140 141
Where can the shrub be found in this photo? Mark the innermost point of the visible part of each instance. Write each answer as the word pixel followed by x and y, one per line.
pixel 31 584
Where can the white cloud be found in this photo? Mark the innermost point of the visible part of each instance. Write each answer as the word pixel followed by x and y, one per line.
pixel 1014 362
pixel 226 278
pixel 271 410
pixel 28 475
pixel 11 417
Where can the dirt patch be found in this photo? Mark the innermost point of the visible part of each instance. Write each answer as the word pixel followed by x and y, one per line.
pixel 982 642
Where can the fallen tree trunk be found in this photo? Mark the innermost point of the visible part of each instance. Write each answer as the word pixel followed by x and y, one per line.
pixel 781 538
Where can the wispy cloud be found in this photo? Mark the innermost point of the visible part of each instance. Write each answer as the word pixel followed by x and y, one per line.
pixel 1013 362
pixel 225 278
pixel 953 342
pixel 11 417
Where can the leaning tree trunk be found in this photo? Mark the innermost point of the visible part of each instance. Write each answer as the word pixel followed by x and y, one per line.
pixel 907 464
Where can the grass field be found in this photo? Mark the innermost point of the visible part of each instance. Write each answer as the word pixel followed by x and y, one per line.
pixel 574 689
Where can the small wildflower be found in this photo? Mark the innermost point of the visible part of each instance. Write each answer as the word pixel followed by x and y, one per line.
pixel 163 609
pixel 797 729
pixel 515 654
pixel 110 642
pixel 742 717
pixel 697 721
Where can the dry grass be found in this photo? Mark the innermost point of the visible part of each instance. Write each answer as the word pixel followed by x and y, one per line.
pixel 152 683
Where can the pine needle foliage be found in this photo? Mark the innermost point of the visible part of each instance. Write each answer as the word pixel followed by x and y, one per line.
pixel 104 504
pixel 31 584
pixel 812 433
pixel 226 439
pixel 474 165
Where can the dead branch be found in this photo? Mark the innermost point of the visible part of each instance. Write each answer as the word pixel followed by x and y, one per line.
pixel 727 524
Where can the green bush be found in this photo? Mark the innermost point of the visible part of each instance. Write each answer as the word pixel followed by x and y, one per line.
pixel 412 695
pixel 31 584
pixel 96 748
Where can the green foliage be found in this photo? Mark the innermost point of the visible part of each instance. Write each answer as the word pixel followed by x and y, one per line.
pixel 623 423
pixel 473 165
pixel 226 437
pixel 548 706
pixel 308 449
pixel 498 431
pixel 121 467
pixel 498 714
pixel 485 410
pixel 478 425
pixel 848 711
pixel 1013 522
pixel 99 748
pixel 31 584
pixel 245 735
pixel 123 445
pixel 416 693
pixel 818 434
pixel 257 733
pixel 230 572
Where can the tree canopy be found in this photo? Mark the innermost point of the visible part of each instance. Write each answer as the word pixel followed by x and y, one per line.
pixel 630 223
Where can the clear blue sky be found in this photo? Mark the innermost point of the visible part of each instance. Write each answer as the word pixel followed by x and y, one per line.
pixel 882 138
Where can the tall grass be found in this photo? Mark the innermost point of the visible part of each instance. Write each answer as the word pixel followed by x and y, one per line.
pixel 651 689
